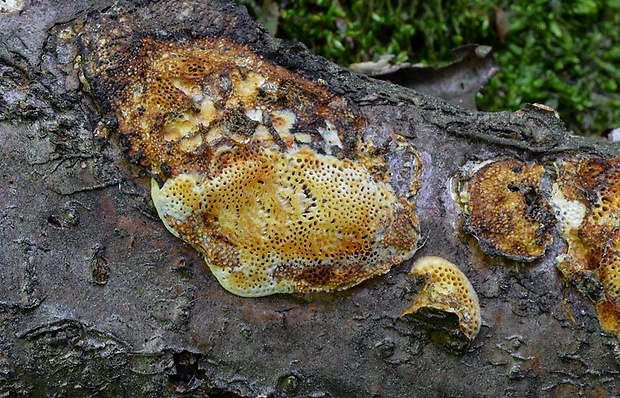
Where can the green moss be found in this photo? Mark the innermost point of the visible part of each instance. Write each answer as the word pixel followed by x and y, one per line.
pixel 561 53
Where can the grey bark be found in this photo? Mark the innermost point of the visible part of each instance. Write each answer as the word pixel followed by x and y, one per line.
pixel 97 298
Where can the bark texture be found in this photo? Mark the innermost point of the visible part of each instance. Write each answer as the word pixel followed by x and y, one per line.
pixel 97 298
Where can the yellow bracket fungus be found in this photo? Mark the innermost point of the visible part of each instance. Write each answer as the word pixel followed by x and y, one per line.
pixel 505 210
pixel 257 167
pixel 586 197
pixel 446 301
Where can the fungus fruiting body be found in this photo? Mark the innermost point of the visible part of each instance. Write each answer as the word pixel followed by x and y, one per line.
pixel 259 168
pixel 447 301
pixel 285 222
pixel 586 197
pixel 505 209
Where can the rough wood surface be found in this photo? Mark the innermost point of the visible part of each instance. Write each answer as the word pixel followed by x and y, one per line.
pixel 97 298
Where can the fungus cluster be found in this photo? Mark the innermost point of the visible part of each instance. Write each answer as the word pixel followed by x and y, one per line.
pixel 505 210
pixel 257 167
pixel 446 301
pixel 586 197
pixel 510 215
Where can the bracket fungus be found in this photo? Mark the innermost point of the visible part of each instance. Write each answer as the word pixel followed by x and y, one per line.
pixel 259 168
pixel 586 197
pixel 447 302
pixel 505 210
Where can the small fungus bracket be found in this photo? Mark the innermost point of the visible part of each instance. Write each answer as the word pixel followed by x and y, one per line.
pixel 447 302
pixel 505 209
pixel 586 197
pixel 509 213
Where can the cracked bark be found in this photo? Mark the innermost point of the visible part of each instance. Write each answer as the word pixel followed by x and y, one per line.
pixel 98 299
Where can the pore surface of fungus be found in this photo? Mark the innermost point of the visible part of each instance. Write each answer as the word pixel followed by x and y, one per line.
pixel 259 168
pixel 586 198
pixel 505 210
pixel 446 301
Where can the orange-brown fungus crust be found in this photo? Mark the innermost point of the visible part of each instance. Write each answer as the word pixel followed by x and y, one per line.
pixel 587 201
pixel 259 168
pixel 505 210
pixel 446 291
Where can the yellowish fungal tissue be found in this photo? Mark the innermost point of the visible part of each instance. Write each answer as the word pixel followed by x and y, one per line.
pixel 258 167
pixel 586 197
pixel 446 292
pixel 506 210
